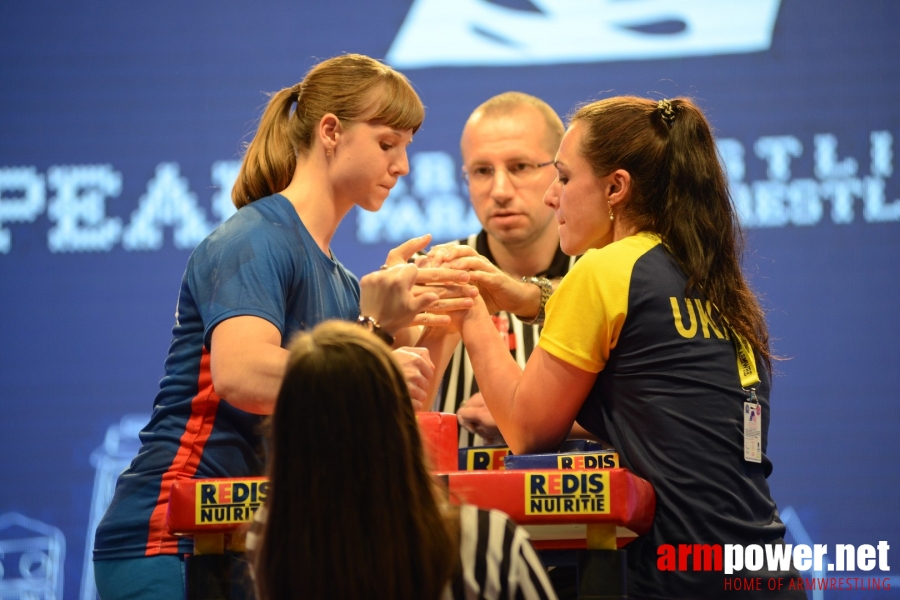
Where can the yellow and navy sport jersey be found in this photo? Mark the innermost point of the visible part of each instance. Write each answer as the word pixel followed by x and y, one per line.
pixel 669 398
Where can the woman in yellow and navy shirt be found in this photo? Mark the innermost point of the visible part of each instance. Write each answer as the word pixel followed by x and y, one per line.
pixel 653 341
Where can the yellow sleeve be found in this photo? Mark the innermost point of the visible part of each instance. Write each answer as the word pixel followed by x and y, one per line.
pixel 586 313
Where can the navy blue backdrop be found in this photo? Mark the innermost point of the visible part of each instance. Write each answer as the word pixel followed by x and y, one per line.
pixel 121 127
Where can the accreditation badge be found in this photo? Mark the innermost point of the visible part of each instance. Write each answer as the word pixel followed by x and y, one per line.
pixel 753 432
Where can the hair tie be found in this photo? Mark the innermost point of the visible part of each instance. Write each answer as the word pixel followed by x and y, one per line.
pixel 666 111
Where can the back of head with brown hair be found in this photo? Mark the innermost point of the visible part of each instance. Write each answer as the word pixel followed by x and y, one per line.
pixel 350 86
pixel 352 509
pixel 680 192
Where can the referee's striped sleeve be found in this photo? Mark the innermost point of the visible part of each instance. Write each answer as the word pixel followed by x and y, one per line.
pixel 532 577
pixel 498 546
pixel 468 540
pixel 498 561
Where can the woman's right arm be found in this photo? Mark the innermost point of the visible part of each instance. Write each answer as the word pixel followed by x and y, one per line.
pixel 247 363
pixel 534 409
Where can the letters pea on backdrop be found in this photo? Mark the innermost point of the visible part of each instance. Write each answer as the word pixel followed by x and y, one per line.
pixel 120 135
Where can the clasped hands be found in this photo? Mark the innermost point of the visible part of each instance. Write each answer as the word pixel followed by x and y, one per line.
pixel 436 290
pixel 427 289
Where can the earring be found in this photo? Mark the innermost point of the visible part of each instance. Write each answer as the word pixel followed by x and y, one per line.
pixel 611 215
pixel 328 152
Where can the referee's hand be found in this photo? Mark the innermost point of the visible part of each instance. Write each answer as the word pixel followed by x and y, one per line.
pixel 475 417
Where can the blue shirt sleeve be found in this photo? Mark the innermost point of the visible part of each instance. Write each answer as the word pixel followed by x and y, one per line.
pixel 247 275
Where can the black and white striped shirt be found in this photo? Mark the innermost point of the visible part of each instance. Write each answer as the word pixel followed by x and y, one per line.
pixel 459 382
pixel 497 560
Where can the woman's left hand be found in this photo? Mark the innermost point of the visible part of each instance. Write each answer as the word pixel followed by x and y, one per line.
pixel 417 369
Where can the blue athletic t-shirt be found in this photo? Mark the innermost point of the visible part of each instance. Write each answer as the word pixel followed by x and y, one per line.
pixel 261 262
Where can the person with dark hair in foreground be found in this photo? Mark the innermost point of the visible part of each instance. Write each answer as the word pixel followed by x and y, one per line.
pixel 653 341
pixel 352 510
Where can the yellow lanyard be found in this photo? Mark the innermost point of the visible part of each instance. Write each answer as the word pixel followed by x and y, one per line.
pixel 746 362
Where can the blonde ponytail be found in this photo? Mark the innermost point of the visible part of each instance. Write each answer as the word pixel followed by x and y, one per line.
pixel 270 159
pixel 351 86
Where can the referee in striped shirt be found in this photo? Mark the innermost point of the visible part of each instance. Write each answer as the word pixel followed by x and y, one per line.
pixel 496 558
pixel 508 146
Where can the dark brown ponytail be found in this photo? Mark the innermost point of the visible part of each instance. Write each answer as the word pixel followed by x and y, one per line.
pixel 680 192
